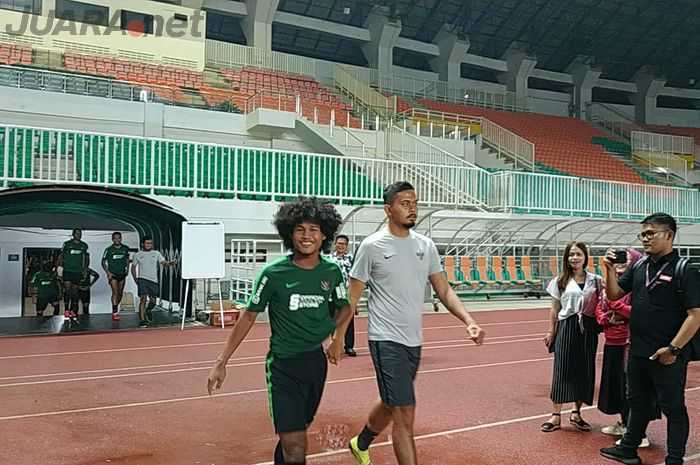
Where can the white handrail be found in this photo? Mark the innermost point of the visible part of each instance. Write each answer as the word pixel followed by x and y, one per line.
pixel 362 92
pixel 522 150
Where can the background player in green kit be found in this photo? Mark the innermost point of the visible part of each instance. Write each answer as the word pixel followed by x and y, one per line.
pixel 115 262
pixel 74 260
pixel 47 291
pixel 299 290
pixel 88 280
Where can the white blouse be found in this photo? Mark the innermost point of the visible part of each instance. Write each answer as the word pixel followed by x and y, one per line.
pixel 575 301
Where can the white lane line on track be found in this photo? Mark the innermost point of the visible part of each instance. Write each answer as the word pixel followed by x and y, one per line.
pixel 235 359
pixel 182 370
pixel 197 344
pixel 462 430
pixel 251 391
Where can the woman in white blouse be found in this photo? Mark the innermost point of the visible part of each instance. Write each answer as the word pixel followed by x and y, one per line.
pixel 573 336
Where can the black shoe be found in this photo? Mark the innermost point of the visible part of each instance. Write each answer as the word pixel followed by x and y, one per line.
pixel 350 352
pixel 621 454
pixel 143 324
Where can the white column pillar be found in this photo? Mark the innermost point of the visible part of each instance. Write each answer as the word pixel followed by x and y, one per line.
pixel 453 49
pixel 257 26
pixel 520 66
pixel 585 79
pixel 648 88
pixel 379 50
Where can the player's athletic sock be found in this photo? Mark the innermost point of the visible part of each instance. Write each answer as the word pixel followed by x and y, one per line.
pixel 279 457
pixel 365 438
pixel 115 308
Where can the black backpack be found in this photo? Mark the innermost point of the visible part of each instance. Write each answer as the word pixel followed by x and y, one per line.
pixel 681 268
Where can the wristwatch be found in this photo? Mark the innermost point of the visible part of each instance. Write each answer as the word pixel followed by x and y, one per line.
pixel 674 350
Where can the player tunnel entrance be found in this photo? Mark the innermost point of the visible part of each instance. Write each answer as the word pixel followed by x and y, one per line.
pixel 35 221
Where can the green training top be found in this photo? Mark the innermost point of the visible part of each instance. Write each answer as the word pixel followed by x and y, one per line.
pixel 117 259
pixel 299 303
pixel 73 255
pixel 46 285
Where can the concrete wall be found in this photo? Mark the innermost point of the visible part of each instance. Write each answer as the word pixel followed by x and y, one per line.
pixel 25 107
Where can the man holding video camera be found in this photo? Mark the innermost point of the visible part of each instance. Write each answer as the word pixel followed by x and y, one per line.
pixel 664 318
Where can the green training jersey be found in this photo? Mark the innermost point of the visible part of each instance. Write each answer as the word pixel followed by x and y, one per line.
pixel 117 258
pixel 74 254
pixel 299 303
pixel 46 285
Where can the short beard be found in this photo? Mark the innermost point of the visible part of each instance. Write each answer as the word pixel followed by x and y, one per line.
pixel 409 225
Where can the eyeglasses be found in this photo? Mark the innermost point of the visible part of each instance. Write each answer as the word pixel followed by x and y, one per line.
pixel 649 234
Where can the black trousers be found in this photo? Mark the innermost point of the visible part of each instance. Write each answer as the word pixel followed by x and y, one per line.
pixel 350 335
pixel 644 377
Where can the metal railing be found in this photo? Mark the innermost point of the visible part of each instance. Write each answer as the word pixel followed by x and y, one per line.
pixel 522 192
pixel 429 123
pixel 416 88
pixel 30 156
pixel 611 119
pixel 223 54
pixel 660 153
pixel 353 143
pixel 348 84
pixel 521 150
pixel 273 100
pixel 432 160
pixel 227 55
pixel 665 164
pixel 667 143
pixel 76 84
pixel 167 167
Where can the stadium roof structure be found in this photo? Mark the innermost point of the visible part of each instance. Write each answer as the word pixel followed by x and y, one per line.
pixel 459 232
pixel 619 37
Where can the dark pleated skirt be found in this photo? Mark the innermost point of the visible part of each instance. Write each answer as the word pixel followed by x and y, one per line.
pixel 612 397
pixel 573 379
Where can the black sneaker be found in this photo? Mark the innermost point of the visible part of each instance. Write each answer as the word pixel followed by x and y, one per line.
pixel 350 352
pixel 143 324
pixel 621 454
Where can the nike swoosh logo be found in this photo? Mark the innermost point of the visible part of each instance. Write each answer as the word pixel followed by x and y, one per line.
pixel 291 285
pixel 387 256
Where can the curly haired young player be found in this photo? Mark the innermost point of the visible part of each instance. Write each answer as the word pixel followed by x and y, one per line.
pixel 299 290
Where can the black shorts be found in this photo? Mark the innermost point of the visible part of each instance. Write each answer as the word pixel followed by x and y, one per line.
pixel 119 277
pixel 294 388
pixel 147 288
pixel 84 296
pixel 41 304
pixel 72 277
pixel 396 366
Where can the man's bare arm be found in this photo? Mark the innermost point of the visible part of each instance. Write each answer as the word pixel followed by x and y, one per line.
pixel 454 305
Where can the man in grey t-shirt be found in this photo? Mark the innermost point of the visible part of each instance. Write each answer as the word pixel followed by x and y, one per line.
pixel 147 261
pixel 397 263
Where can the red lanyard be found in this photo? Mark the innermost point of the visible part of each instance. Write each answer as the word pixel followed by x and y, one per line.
pixel 655 280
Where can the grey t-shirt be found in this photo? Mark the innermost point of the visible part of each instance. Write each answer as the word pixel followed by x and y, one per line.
pixel 148 264
pixel 396 270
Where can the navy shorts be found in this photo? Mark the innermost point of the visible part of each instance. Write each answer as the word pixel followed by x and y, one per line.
pixel 295 386
pixel 396 366
pixel 147 288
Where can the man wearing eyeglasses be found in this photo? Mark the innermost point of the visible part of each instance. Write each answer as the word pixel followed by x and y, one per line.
pixel 664 318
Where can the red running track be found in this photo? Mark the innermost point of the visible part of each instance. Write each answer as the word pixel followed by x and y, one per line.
pixel 139 398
